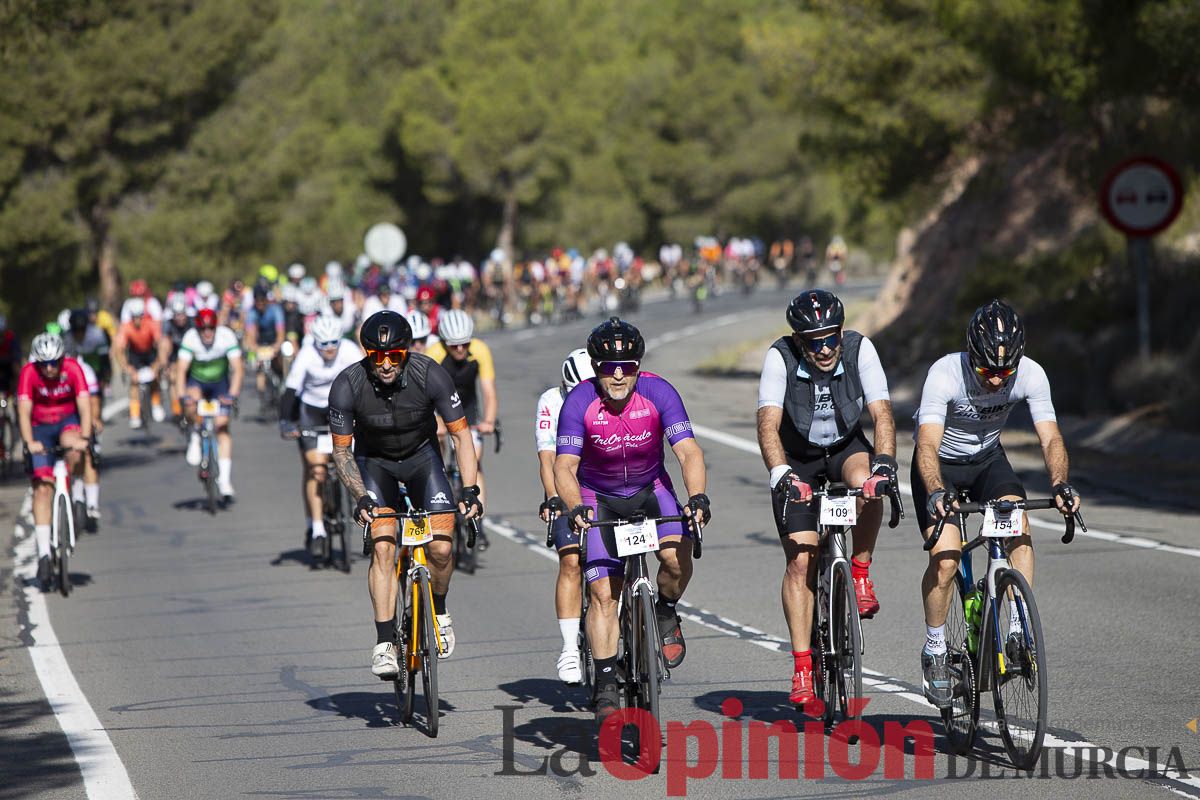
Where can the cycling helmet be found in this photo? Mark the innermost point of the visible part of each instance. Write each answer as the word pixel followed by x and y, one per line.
pixel 78 320
pixel 616 340
pixel 268 272
pixel 178 305
pixel 46 347
pixel 136 307
pixel 420 324
pixel 456 327
pixel 386 330
pixel 816 310
pixel 138 288
pixel 995 327
pixel 204 289
pixel 577 368
pixel 326 329
pixel 206 318
pixel 296 271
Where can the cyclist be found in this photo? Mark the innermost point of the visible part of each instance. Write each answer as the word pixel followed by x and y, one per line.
pixel 210 368
pixel 264 336
pixel 136 348
pixel 306 401
pixel 965 403
pixel 421 331
pixel 174 328
pixel 609 460
pixel 576 368
pixel 815 388
pixel 385 407
pixel 468 359
pixel 53 409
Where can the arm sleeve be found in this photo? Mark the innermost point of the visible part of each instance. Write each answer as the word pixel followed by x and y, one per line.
pixel 341 406
pixel 440 388
pixel 570 423
pixel 935 396
pixel 772 384
pixel 870 372
pixel 1037 393
pixel 675 422
pixel 545 426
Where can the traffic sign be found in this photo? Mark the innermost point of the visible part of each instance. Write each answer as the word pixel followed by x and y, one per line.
pixel 1141 196
pixel 385 244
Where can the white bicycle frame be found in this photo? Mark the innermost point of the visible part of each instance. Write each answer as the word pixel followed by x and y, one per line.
pixel 62 488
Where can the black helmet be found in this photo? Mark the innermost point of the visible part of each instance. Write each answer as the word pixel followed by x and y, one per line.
pixel 816 310
pixel 386 330
pixel 79 319
pixel 616 340
pixel 994 326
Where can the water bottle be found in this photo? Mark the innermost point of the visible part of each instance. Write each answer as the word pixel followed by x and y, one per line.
pixel 972 610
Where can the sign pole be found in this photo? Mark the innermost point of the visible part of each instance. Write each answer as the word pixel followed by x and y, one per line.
pixel 1138 249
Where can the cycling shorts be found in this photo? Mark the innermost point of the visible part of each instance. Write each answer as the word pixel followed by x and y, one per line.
pixel 815 463
pixel 988 478
pixel 422 474
pixel 50 435
pixel 656 499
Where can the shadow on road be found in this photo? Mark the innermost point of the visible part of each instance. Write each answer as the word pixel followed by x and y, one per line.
pixel 32 763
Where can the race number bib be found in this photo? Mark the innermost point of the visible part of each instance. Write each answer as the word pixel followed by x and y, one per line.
pixel 209 408
pixel 839 511
pixel 145 375
pixel 636 537
pixel 1002 525
pixel 416 531
pixel 325 443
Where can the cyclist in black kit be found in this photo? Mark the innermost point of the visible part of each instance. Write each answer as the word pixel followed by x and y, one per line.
pixel 385 405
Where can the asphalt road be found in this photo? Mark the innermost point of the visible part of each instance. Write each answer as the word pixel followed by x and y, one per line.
pixel 221 665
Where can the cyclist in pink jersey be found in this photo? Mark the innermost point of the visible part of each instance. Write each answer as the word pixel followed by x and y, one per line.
pixel 54 409
pixel 609 463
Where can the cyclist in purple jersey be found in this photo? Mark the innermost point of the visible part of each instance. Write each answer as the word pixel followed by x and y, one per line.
pixel 609 461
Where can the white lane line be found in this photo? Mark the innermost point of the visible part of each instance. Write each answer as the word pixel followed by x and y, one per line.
pixel 104 774
pixel 1080 750
pixel 747 446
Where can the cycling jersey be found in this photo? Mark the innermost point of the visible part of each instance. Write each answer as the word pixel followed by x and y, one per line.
pixel 622 454
pixel 972 415
pixel 53 401
pixel 477 364
pixel 393 421
pixel 311 377
pixel 209 364
pixel 545 421
pixel 266 322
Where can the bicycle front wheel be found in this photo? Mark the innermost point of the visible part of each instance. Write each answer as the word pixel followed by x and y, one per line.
pixel 429 655
pixel 62 554
pixel 845 636
pixel 962 718
pixel 1020 691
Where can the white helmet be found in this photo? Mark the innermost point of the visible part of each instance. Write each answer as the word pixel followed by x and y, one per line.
pixel 204 289
pixel 296 271
pixel 577 368
pixel 419 324
pixel 326 329
pixel 456 327
pixel 137 307
pixel 46 347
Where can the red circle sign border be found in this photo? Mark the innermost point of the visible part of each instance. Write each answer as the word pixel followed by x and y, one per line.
pixel 1157 163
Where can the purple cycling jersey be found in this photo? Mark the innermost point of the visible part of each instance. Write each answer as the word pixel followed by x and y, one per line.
pixel 620 454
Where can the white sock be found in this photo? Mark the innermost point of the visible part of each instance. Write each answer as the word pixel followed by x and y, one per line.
pixel 77 491
pixel 570 633
pixel 935 639
pixel 318 526
pixel 225 465
pixel 42 532
pixel 92 492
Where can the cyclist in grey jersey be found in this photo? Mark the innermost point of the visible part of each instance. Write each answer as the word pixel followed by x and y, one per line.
pixel 965 403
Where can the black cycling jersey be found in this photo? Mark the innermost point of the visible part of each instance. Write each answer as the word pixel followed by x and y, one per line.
pixel 392 421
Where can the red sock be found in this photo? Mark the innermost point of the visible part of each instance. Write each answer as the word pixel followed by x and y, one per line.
pixel 802 661
pixel 859 569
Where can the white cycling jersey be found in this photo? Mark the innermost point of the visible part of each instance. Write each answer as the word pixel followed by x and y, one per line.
pixel 545 422
pixel 973 416
pixel 311 377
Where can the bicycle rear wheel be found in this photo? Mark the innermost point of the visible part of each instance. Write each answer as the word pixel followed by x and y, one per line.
pixel 962 718
pixel 846 641
pixel 62 554
pixel 1020 692
pixel 429 655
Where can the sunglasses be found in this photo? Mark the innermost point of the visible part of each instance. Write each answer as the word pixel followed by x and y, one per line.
pixel 611 367
pixel 394 357
pixel 987 374
pixel 831 341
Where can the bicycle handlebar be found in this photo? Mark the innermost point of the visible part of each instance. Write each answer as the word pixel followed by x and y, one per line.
pixel 1006 507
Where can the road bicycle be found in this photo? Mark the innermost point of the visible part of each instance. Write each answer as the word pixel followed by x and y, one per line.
pixel 1003 652
pixel 837 637
pixel 641 666
pixel 335 503
pixel 466 556
pixel 418 639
